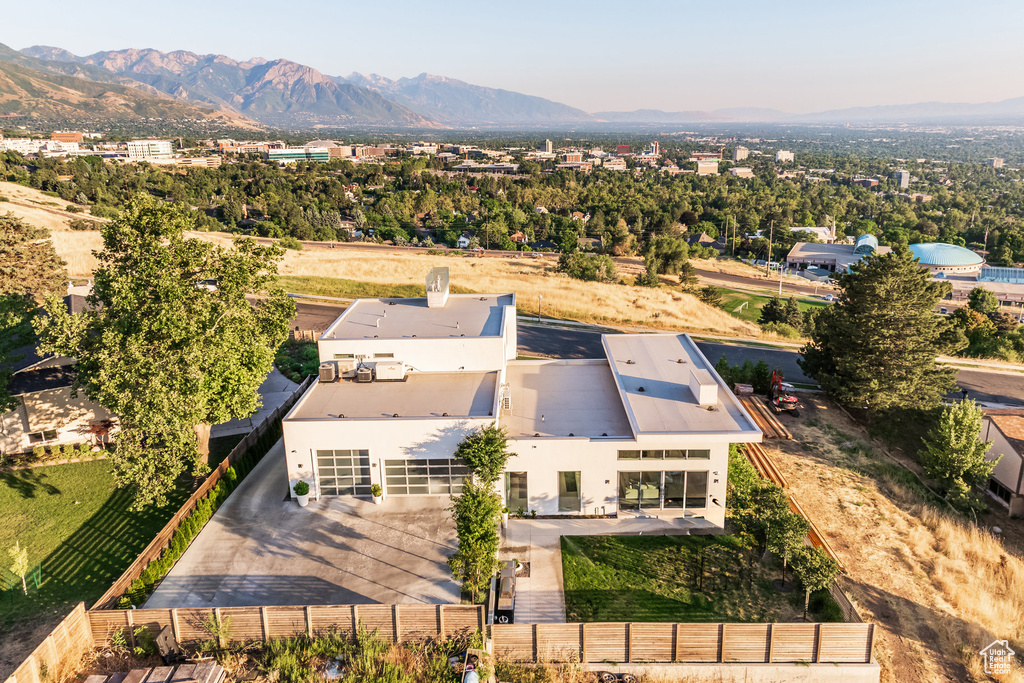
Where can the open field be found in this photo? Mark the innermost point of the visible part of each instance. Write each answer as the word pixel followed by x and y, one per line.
pixel 732 300
pixel 649 578
pixel 939 587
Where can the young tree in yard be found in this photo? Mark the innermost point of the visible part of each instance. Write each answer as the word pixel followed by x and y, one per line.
pixel 477 513
pixel 19 566
pixel 953 455
pixel 815 569
pixel 30 270
pixel 485 452
pixel 982 301
pixel 786 532
pixel 688 277
pixel 793 317
pixel 168 357
pixel 711 296
pixel 877 346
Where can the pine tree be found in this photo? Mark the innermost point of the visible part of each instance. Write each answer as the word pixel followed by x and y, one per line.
pixel 773 312
pixel 877 346
pixel 792 315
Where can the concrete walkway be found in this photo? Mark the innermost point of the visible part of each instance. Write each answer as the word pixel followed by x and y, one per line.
pixel 540 597
pixel 263 549
pixel 274 391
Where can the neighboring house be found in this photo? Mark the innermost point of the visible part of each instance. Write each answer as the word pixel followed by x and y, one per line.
pixel 541 245
pixel 705 240
pixel 1005 429
pixel 463 241
pixel 518 237
pixel 643 430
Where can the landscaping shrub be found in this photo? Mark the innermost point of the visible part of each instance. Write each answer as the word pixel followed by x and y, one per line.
pixel 39 451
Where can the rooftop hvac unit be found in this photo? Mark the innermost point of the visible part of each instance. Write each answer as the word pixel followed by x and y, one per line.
pixel 390 371
pixel 328 372
pixel 364 374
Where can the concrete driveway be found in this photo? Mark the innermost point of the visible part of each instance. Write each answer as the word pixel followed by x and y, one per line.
pixel 260 549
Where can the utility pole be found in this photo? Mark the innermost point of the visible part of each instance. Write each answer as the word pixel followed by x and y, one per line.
pixel 771 235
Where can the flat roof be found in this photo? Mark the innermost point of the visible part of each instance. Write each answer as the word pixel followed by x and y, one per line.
pixel 841 254
pixel 562 398
pixel 469 315
pixel 665 405
pixel 422 394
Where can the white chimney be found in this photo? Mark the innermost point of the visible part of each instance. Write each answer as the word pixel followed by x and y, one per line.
pixel 437 287
pixel 703 387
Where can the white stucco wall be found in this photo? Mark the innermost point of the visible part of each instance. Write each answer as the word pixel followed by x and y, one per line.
pixel 52 409
pixel 1008 470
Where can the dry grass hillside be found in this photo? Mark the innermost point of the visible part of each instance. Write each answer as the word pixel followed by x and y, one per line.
pixel 940 588
pixel 563 297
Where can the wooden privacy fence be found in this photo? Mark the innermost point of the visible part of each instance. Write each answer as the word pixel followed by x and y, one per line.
pixel 163 539
pixel 57 656
pixel 397 623
pixel 684 643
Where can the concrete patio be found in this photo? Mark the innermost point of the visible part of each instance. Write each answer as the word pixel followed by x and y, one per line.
pixel 261 549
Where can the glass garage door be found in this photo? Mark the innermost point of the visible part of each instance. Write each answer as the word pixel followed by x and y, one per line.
pixel 344 473
pixel 424 477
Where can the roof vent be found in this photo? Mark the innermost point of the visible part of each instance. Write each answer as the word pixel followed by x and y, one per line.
pixel 483 298
pixel 536 433
pixel 605 434
pixel 641 389
pixel 395 415
pixel 680 360
pixel 391 303
pixel 629 362
pixel 571 434
pixel 703 387
pixel 444 414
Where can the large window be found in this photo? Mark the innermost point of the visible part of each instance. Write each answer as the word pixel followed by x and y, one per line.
pixel 517 498
pixel 663 490
pixel 669 454
pixel 569 492
pixel 424 477
pixel 344 473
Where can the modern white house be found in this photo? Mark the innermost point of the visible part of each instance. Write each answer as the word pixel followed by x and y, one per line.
pixel 645 430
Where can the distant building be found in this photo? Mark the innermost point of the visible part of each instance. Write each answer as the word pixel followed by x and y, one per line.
pixel 784 157
pixel 572 157
pixel 832 257
pixel 741 172
pixel 865 182
pixel 139 150
pixel 705 156
pixel 654 149
pixel 474 167
pixel 615 164
pixel 623 150
pixel 548 147
pixel 740 153
pixel 422 148
pixel 902 178
pixel 826 235
pixel 996 162
pixel 290 155
pixel 69 136
pixel 707 167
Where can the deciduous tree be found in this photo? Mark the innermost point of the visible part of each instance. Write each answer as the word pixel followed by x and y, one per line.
pixel 815 569
pixel 953 455
pixel 476 513
pixel 485 452
pixel 169 357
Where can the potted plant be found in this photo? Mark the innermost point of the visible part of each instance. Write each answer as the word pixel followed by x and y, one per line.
pixel 302 493
pixel 504 516
pixel 378 494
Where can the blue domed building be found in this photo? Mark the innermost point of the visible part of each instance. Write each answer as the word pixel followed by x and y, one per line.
pixel 947 259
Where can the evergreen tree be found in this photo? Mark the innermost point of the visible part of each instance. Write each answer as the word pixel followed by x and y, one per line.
pixel 792 315
pixel 953 455
pixel 688 277
pixel 711 296
pixel 877 346
pixel 772 312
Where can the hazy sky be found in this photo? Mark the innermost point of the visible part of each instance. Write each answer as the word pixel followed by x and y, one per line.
pixel 593 54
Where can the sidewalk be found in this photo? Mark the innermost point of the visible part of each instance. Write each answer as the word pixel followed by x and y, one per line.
pixel 275 390
pixel 540 597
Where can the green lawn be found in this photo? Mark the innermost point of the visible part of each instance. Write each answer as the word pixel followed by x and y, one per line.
pixel 655 578
pixel 74 522
pixel 353 289
pixel 732 300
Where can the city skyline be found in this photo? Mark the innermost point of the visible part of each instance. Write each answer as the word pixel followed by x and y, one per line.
pixel 794 57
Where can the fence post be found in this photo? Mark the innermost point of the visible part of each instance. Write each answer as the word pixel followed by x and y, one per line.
pixel 131 628
pixel 771 642
pixel 629 642
pixel 264 624
pixel 536 646
pixel 818 633
pixel 309 621
pixel 675 642
pixel 440 619
pixel 396 623
pixel 871 643
pixel 174 625
pixel 220 628
pixel 721 643
pixel 583 637
pixel 355 619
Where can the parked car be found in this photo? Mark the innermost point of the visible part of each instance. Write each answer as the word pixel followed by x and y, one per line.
pixel 944 311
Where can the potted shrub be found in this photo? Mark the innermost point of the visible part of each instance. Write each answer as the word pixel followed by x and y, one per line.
pixel 378 494
pixel 504 516
pixel 302 493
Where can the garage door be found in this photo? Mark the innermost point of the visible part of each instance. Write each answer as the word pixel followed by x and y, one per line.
pixel 424 477
pixel 344 473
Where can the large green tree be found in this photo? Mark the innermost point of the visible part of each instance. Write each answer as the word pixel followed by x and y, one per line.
pixel 877 345
pixel 169 357
pixel 485 452
pixel 30 270
pixel 954 456
pixel 477 513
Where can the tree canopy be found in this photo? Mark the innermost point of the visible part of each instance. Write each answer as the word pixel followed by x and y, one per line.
pixel 168 356
pixel 953 455
pixel 30 270
pixel 877 346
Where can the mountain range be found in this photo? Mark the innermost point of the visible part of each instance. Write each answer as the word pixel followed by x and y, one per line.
pixel 284 93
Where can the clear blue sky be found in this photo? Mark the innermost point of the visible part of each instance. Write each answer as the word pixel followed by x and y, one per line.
pixel 597 55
